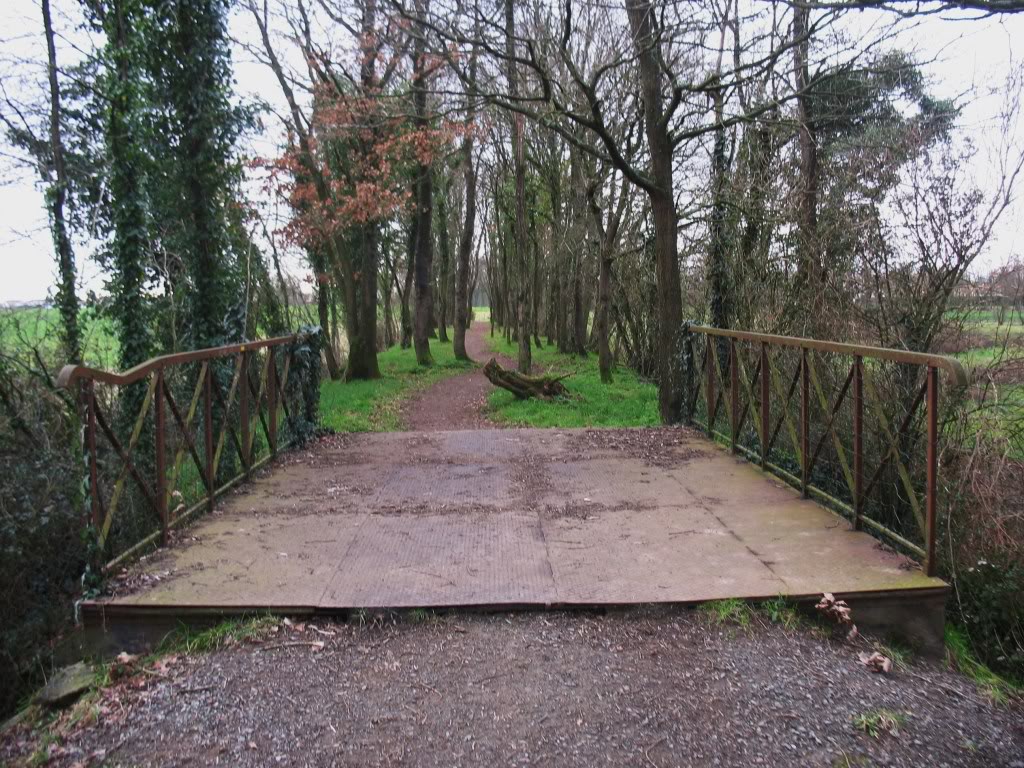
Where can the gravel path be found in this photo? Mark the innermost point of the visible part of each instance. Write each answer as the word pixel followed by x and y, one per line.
pixel 644 687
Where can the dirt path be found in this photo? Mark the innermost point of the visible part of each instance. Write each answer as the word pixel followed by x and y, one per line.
pixel 456 403
pixel 638 688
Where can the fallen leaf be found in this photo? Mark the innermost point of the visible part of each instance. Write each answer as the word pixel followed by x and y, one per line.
pixel 876 662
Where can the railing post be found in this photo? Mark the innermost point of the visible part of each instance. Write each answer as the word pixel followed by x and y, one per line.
pixel 805 422
pixel 765 402
pixel 272 400
pixel 243 407
pixel 88 398
pixel 734 395
pixel 709 390
pixel 933 469
pixel 161 467
pixel 208 436
pixel 858 441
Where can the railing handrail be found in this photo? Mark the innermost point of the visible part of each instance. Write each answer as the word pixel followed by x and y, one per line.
pixel 950 365
pixel 71 373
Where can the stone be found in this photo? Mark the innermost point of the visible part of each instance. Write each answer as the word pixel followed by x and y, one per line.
pixel 67 685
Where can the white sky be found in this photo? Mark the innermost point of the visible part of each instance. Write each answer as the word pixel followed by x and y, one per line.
pixel 966 54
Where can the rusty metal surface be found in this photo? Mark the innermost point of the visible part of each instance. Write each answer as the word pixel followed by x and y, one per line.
pixel 512 517
pixel 71 373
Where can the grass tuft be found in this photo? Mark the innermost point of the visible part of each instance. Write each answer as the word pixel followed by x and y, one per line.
pixel 186 640
pixel 731 611
pixel 879 721
pixel 782 612
pixel 900 654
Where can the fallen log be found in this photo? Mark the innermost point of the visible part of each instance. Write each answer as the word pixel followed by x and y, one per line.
pixel 522 386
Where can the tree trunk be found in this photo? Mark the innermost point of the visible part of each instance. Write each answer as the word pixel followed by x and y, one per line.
pixel 558 281
pixel 717 267
pixel 424 202
pixel 537 293
pixel 523 386
pixel 669 290
pixel 578 342
pixel 519 168
pixel 810 273
pixel 361 309
pixel 601 321
pixel 323 309
pixel 445 276
pixel 389 311
pixel 406 294
pixel 129 218
pixel 463 299
pixel 56 195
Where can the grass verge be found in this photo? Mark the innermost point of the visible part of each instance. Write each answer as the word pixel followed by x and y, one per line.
pixel 961 658
pixel 628 401
pixel 375 406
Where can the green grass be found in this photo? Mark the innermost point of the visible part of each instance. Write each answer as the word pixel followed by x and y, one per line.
pixel 374 406
pixel 1007 316
pixel 627 402
pixel 731 611
pixel 961 657
pixel 29 327
pixel 782 612
pixel 190 641
pixel 1003 405
pixel 879 721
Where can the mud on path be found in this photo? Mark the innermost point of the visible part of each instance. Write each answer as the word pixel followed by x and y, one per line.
pixel 456 402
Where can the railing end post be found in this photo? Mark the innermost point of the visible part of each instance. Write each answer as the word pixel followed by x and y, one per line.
pixel 161 460
pixel 858 442
pixel 932 473
pixel 805 422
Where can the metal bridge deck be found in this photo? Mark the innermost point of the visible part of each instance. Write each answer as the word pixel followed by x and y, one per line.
pixel 509 518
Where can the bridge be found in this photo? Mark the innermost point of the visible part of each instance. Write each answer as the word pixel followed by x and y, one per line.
pixel 522 518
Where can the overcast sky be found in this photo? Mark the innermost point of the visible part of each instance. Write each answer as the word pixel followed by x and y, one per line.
pixel 963 56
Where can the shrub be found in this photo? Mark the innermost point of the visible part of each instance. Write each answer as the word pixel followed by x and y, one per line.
pixel 42 550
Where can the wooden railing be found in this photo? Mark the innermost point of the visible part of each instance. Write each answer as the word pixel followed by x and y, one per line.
pixel 840 407
pixel 146 434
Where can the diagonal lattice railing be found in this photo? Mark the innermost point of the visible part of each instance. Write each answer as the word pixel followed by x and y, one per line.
pixel 183 429
pixel 855 426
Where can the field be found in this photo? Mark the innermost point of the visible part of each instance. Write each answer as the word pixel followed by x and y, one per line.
pixel 992 349
pixel 30 328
